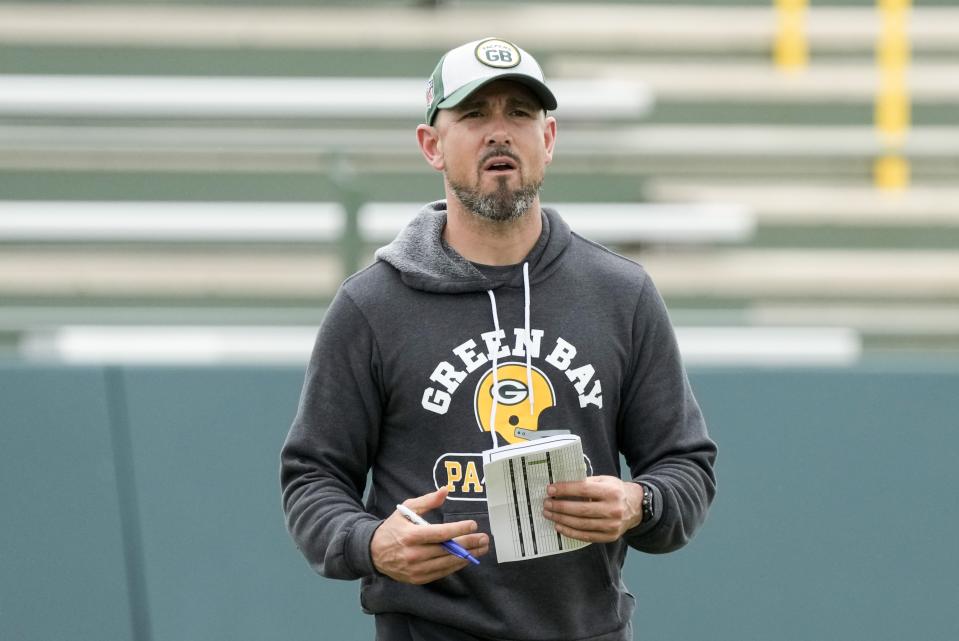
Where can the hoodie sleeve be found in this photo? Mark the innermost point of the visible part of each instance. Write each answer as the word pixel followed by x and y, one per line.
pixel 662 433
pixel 331 444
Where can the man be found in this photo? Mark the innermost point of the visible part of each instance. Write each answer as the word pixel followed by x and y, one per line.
pixel 488 283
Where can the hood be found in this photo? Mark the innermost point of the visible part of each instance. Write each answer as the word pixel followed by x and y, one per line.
pixel 426 262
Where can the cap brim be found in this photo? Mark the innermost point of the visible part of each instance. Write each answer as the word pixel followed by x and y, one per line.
pixel 546 97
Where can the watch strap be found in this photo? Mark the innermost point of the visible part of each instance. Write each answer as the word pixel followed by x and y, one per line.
pixel 649 505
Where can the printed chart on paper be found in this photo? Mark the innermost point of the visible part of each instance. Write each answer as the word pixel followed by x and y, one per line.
pixel 516 480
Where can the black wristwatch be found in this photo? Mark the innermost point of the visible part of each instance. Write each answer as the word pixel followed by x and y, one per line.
pixel 648 505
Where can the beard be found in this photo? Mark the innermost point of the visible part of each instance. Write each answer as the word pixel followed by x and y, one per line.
pixel 503 204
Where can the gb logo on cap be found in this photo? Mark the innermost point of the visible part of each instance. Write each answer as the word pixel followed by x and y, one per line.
pixel 497 53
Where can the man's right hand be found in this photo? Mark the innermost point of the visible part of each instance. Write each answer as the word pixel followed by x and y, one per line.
pixel 412 553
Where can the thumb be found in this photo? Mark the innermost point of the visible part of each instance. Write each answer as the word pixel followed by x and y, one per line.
pixel 427 502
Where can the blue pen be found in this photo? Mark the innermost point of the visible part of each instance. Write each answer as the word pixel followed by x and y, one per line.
pixel 451 546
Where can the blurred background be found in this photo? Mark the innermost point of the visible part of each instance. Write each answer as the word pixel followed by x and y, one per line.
pixel 183 186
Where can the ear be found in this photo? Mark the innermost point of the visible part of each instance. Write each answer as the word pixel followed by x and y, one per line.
pixel 549 137
pixel 429 141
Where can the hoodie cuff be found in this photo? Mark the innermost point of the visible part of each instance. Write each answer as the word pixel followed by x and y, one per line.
pixel 358 548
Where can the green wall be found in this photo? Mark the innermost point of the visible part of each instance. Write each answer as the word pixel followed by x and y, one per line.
pixel 143 504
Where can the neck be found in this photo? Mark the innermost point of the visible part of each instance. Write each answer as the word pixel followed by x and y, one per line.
pixel 489 242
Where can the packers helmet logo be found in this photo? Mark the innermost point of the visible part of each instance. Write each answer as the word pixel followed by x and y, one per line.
pixel 511 397
pixel 509 392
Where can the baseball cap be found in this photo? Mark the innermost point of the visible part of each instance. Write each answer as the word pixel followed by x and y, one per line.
pixel 463 70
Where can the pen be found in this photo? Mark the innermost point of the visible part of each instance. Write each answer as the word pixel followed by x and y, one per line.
pixel 451 546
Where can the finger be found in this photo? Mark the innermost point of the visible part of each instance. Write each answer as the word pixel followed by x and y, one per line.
pixel 427 534
pixel 479 551
pixel 580 523
pixel 594 487
pixel 590 536
pixel 425 503
pixel 473 541
pixel 417 551
pixel 446 531
pixel 570 488
pixel 475 544
pixel 591 509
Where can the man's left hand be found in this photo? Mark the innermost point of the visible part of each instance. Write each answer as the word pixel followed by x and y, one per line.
pixel 599 509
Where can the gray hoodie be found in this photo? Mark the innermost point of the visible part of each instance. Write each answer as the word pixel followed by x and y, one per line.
pixel 394 385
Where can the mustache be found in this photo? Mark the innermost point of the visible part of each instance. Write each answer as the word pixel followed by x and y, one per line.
pixel 500 151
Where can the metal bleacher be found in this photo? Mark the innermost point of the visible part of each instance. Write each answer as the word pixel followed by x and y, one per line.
pixel 130 134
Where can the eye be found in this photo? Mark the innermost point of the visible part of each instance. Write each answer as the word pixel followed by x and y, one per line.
pixel 521 113
pixel 475 113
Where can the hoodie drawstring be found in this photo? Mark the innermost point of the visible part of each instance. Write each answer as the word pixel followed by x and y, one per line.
pixel 529 339
pixel 495 388
pixel 529 367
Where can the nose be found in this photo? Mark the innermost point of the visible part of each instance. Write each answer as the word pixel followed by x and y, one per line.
pixel 499 132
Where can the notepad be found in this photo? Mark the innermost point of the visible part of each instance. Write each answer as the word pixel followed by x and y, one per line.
pixel 516 479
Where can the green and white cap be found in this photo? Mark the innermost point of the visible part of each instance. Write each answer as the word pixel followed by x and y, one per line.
pixel 463 70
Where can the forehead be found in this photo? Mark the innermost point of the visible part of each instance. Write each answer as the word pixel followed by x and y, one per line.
pixel 505 90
